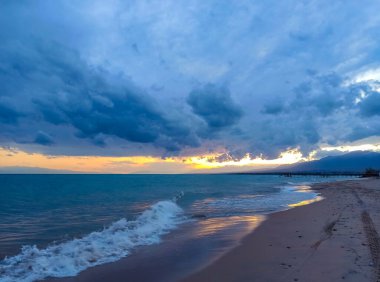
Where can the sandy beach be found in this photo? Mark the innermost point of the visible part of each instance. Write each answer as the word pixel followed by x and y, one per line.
pixel 335 239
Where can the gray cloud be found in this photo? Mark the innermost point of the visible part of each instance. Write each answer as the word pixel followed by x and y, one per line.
pixel 370 105
pixel 274 107
pixel 65 90
pixel 324 109
pixel 44 139
pixel 215 106
pixel 8 114
pixel 146 78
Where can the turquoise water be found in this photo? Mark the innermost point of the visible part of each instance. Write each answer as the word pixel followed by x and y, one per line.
pixel 59 225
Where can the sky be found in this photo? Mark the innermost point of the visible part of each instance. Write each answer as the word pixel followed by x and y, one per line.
pixel 186 86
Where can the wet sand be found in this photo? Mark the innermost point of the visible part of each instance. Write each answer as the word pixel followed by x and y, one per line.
pixel 181 252
pixel 335 239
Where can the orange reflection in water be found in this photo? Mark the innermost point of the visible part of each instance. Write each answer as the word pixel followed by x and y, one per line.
pixel 303 188
pixel 306 202
pixel 214 225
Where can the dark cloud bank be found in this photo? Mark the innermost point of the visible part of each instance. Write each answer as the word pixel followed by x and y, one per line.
pixel 215 106
pixel 52 97
pixel 325 109
pixel 47 83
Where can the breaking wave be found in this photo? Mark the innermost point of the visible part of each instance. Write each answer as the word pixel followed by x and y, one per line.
pixel 110 244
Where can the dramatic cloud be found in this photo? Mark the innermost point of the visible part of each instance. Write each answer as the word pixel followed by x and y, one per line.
pixel 43 138
pixel 59 88
pixel 8 113
pixel 325 109
pixel 163 78
pixel 370 104
pixel 215 106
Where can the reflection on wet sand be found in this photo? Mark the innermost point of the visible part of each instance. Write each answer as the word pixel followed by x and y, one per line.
pixel 306 202
pixel 211 226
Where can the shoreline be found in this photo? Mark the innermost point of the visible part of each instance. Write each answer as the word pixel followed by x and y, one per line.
pixel 334 239
pixel 181 253
pixel 303 243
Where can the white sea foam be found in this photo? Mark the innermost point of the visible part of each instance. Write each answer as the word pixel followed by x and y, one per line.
pixel 108 245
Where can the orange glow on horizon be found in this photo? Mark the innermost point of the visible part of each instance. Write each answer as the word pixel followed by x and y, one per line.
pixel 77 163
pixel 13 157
pixel 287 157
pixel 140 164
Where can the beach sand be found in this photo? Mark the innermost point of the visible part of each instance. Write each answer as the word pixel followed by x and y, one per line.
pixel 334 239
pixel 331 240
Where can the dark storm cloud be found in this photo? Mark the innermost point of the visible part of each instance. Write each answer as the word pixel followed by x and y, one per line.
pixel 370 105
pixel 284 131
pixel 325 108
pixel 322 94
pixel 8 114
pixel 110 76
pixel 215 106
pixel 62 89
pixel 276 106
pixel 363 130
pixel 43 138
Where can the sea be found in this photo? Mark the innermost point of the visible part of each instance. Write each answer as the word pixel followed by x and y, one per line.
pixel 61 225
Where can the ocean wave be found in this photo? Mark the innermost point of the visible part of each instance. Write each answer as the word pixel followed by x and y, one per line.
pixel 288 195
pixel 110 244
pixel 296 188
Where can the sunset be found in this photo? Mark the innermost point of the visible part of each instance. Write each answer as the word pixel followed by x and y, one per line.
pixel 189 140
pixel 163 80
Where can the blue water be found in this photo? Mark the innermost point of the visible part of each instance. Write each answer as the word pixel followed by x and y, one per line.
pixel 59 225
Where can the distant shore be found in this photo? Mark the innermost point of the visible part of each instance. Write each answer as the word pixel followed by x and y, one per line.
pixel 332 240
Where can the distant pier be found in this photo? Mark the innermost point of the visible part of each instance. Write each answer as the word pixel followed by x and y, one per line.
pixel 321 174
